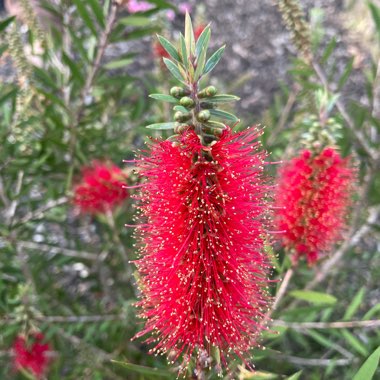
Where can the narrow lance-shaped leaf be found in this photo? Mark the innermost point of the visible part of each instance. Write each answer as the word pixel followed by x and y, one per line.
pixel 169 47
pixel 173 68
pixel 98 11
pixel 354 305
pixel 183 50
pixel 118 63
pixel 313 297
pixel 200 64
pixel 222 98
pixel 145 370
pixel 164 98
pixel 224 115
pixel 180 108
pixel 139 21
pixel 203 40
pixel 368 369
pixel 214 59
pixel 189 35
pixel 84 13
pixel 75 71
pixel 162 126
pixel 6 22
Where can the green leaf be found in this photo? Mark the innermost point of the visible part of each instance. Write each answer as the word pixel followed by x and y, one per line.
pixel 313 297
pixel 223 98
pixel 44 77
pixel 368 369
pixel 74 69
pixel 346 74
pixel 173 68
pixel 98 11
pixel 8 95
pixel 162 4
pixel 169 47
pixel 224 115
pixel 200 64
pixel 145 370
pixel 164 98
pixel 214 59
pixel 162 126
pixel 118 63
pixel 84 14
pixel 139 21
pixel 372 311
pixel 354 342
pixel 354 305
pixel 203 41
pixel 320 338
pixel 185 59
pixel 375 11
pixel 189 36
pixel 180 108
pixel 295 376
pixel 140 32
pixel 6 22
pixel 3 48
pixel 329 49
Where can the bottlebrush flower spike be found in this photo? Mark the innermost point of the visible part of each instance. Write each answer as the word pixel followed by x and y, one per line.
pixel 102 188
pixel 313 196
pixel 31 356
pixel 203 270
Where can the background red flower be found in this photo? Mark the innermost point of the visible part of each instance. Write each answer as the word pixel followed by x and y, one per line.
pixel 102 187
pixel 31 354
pixel 313 195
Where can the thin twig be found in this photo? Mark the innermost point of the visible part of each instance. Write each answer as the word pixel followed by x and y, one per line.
pixel 284 117
pixel 38 247
pixel 72 318
pixel 10 213
pixel 3 196
pixel 376 94
pixel 330 264
pixel 361 139
pixel 314 362
pixel 103 41
pixel 119 244
pixel 98 355
pixel 39 213
pixel 371 324
pixel 280 294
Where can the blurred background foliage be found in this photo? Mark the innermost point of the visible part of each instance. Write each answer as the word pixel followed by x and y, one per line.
pixel 75 79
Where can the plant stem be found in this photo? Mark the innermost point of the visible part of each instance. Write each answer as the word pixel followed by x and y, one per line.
pixel 371 324
pixel 103 41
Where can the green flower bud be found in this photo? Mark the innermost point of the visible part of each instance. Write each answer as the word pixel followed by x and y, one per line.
pixel 178 92
pixel 204 115
pixel 187 102
pixel 180 128
pixel 181 117
pixel 207 92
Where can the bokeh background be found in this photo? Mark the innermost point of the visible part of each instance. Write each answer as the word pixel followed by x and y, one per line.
pixel 75 78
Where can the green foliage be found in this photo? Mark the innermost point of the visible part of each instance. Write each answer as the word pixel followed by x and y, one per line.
pixel 368 369
pixel 69 275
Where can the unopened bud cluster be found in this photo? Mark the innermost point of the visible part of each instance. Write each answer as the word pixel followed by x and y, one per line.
pixel 294 19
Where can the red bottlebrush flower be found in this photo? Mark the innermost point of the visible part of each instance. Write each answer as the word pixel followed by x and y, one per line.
pixel 202 266
pixel 313 196
pixel 101 189
pixel 198 30
pixel 31 356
